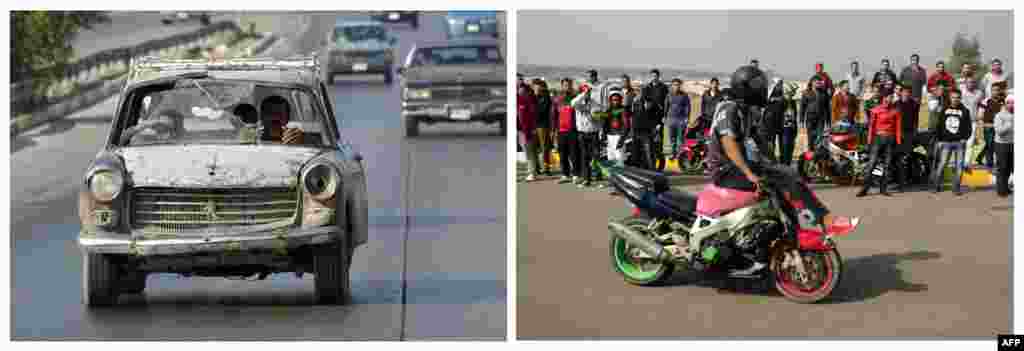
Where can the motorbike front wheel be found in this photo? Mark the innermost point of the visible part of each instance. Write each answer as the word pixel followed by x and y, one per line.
pixel 636 270
pixel 823 269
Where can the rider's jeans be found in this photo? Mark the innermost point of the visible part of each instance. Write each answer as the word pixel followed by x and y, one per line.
pixel 949 153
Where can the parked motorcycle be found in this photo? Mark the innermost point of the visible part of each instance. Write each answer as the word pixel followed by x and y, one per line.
pixel 692 156
pixel 729 229
pixel 839 155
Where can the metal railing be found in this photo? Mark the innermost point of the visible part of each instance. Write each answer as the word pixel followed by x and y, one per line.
pixel 27 94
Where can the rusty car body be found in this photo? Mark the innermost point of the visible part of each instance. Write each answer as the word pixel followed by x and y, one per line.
pixel 455 81
pixel 192 181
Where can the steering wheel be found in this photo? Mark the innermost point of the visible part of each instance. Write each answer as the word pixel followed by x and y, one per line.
pixel 169 127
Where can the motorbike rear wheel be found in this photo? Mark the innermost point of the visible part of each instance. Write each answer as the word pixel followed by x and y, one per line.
pixel 824 269
pixel 637 271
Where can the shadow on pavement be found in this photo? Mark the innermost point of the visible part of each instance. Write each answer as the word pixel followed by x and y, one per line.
pixel 864 278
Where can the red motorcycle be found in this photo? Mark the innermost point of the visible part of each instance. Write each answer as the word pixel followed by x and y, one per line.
pixel 692 156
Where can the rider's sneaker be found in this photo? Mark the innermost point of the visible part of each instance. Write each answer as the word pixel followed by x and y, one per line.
pixel 754 268
pixel 563 180
pixel 530 178
pixel 842 225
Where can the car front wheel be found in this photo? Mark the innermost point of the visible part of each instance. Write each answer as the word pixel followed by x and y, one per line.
pixel 331 264
pixel 99 280
pixel 412 127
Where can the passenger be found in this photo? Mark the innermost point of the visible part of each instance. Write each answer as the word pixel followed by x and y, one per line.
pixel 276 115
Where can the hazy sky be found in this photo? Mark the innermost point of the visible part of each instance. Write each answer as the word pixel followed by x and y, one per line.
pixel 789 42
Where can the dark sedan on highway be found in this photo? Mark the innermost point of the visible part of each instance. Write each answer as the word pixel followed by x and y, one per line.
pixel 410 17
pixel 364 47
pixel 227 169
pixel 469 24
pixel 453 81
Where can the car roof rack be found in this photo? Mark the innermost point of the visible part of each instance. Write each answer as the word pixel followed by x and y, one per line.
pixel 299 62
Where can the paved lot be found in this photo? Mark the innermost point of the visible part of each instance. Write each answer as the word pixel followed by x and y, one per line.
pixel 921 265
pixel 434 267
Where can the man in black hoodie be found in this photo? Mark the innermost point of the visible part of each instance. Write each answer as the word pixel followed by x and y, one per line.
pixel 884 76
pixel 951 135
pixel 816 110
pixel 645 122
pixel 909 109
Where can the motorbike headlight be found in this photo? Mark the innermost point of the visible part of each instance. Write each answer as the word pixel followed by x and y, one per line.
pixel 498 91
pixel 417 94
pixel 321 182
pixel 105 185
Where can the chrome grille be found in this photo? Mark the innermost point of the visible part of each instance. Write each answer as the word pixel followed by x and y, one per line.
pixel 169 210
pixel 363 54
pixel 463 93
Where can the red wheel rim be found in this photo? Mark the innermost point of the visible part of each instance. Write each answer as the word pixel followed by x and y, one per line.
pixel 797 289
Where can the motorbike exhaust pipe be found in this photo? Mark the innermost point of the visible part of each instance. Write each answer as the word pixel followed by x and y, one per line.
pixel 640 241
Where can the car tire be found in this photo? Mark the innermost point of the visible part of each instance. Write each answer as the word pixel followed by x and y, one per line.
pixel 415 22
pixel 166 21
pixel 388 77
pixel 503 125
pixel 412 127
pixel 330 79
pixel 331 264
pixel 99 276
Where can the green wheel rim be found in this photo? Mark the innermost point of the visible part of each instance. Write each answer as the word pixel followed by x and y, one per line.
pixel 628 267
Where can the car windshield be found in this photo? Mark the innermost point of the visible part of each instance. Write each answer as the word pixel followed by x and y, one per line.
pixel 457 55
pixel 360 33
pixel 222 112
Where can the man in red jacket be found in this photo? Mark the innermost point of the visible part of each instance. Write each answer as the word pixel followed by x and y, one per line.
pixel 565 124
pixel 941 77
pixel 884 133
pixel 526 113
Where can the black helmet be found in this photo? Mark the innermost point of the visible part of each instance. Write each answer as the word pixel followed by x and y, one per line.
pixel 750 86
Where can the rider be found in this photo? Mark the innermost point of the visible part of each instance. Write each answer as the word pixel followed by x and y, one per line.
pixel 731 166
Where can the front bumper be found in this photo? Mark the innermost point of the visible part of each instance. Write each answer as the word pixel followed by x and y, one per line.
pixel 489 111
pixel 116 243
pixel 349 67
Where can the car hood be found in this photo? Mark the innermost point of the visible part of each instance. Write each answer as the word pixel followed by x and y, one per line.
pixel 189 166
pixel 450 74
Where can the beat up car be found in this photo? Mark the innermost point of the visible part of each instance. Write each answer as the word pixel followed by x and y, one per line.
pixel 410 17
pixel 360 48
pixel 470 24
pixel 227 169
pixel 453 81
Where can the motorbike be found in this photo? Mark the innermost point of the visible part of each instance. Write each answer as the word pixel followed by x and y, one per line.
pixel 838 154
pixel 693 155
pixel 728 229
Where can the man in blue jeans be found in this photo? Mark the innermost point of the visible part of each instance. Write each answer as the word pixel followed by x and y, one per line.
pixel 951 134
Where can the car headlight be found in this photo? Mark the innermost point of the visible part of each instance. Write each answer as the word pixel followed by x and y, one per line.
pixel 321 182
pixel 414 94
pixel 498 91
pixel 105 185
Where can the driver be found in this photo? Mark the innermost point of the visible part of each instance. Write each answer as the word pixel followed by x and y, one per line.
pixel 276 115
pixel 731 166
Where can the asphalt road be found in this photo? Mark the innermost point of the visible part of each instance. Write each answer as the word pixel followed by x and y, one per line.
pixel 434 267
pixel 920 266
